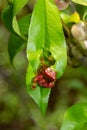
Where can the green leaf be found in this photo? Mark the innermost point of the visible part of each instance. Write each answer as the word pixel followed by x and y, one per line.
pixel 9 16
pixel 14 45
pixel 81 2
pixel 85 16
pixel 15 42
pixel 47 32
pixel 24 23
pixel 75 118
pixel 17 6
pixel 55 39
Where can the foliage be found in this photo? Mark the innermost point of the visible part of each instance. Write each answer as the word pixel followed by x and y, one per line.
pixel 52 38
pixel 76 118
pixel 48 34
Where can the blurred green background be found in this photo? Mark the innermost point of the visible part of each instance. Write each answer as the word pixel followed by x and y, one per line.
pixel 17 109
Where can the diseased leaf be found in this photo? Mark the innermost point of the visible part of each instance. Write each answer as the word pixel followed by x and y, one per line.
pixel 81 2
pixel 40 95
pixel 44 32
pixel 75 118
pixel 55 39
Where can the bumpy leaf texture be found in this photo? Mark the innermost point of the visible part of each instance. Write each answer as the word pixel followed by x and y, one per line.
pixel 45 32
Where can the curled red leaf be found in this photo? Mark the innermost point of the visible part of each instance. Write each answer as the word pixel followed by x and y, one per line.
pixel 46 77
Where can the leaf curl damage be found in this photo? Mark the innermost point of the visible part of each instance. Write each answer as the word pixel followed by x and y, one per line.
pixel 46 76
